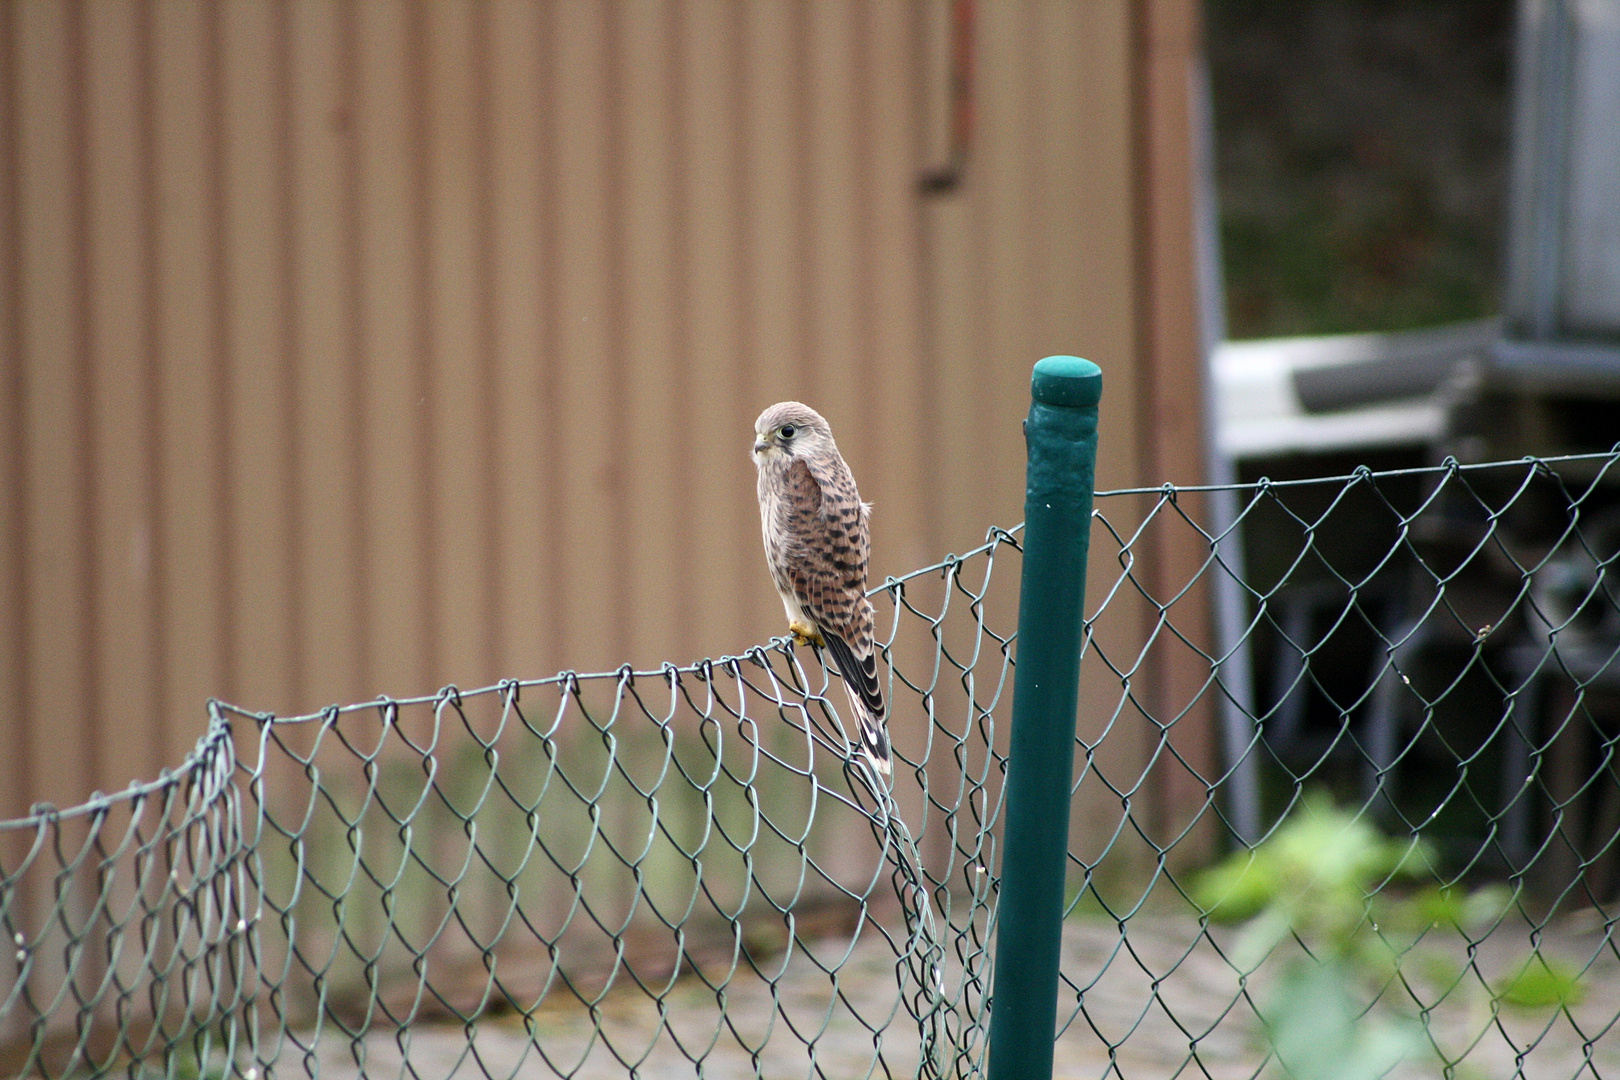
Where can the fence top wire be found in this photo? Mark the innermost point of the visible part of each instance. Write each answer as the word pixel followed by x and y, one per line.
pixel 210 757
pixel 893 586
pixel 1607 458
pixel 216 739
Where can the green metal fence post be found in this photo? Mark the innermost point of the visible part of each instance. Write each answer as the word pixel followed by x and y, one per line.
pixel 1061 433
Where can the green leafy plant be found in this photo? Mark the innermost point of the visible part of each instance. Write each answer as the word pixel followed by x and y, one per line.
pixel 1329 879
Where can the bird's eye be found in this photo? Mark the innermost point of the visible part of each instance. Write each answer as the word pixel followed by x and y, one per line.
pixel 788 431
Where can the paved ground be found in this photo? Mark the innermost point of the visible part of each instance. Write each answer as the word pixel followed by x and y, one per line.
pixel 1148 1006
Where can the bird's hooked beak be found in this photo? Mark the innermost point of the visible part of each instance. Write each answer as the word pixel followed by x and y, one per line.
pixel 760 443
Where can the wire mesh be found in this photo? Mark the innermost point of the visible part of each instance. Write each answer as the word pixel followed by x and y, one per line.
pixel 685 871
pixel 129 924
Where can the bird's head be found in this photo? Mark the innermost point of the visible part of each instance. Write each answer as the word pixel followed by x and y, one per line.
pixel 788 430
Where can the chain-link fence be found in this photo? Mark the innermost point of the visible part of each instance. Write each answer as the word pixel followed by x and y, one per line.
pixel 1436 650
pixel 589 875
pixel 685 871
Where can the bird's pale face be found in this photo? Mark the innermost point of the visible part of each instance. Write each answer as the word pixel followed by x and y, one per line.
pixel 790 430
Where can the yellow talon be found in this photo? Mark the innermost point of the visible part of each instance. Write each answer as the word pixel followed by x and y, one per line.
pixel 805 635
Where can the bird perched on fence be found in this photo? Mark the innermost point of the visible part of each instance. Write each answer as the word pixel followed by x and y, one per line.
pixel 816 545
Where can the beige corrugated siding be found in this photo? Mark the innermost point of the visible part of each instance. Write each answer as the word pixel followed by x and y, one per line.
pixel 358 348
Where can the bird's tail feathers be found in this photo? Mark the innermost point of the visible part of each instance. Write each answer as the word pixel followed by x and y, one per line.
pixel 860 675
pixel 874 734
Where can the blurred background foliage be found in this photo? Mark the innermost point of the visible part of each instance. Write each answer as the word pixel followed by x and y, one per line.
pixel 1361 152
pixel 1373 926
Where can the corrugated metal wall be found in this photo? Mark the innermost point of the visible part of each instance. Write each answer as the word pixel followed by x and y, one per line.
pixel 357 348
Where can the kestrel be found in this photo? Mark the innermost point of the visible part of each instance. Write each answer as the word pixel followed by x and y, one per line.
pixel 816 546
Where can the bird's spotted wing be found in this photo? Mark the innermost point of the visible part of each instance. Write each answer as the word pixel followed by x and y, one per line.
pixel 830 541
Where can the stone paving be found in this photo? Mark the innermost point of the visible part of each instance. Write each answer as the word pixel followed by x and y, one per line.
pixel 1161 1004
